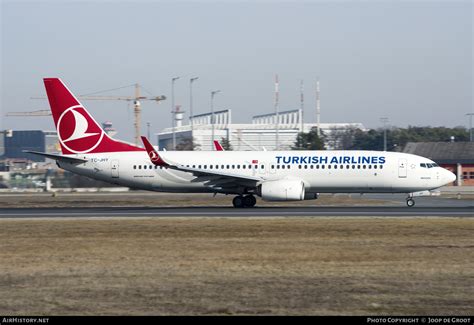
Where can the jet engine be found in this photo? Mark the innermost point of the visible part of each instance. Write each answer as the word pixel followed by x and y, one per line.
pixel 282 190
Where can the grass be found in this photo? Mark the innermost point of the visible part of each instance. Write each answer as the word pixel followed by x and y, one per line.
pixel 295 266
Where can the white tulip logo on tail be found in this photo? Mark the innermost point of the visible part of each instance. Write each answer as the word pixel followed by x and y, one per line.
pixel 153 156
pixel 77 131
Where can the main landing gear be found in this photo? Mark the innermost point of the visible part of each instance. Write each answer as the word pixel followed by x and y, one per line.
pixel 241 201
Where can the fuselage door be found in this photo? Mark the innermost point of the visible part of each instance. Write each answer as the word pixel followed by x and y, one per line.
pixel 114 168
pixel 402 168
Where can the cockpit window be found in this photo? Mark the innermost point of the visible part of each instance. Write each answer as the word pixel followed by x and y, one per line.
pixel 430 165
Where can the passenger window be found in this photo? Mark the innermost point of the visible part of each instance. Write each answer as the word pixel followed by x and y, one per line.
pixel 194 166
pixel 347 166
pixel 335 166
pixel 381 166
pixel 370 166
pixel 139 166
pixel 262 167
pixel 329 166
pixel 353 166
pixel 228 166
pixel 305 166
pixel 364 167
pixel 375 166
pixel 299 166
pixel 238 166
pixel 322 166
pixel 245 166
pixel 311 167
pixel 134 166
pixel 210 166
pixel 317 166
pixel 278 166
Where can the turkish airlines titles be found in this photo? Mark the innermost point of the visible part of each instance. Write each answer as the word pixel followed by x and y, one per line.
pixel 330 160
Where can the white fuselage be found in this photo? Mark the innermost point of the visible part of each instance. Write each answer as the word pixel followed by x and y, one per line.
pixel 320 171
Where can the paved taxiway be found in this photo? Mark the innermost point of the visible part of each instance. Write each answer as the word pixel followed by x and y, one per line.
pixel 466 211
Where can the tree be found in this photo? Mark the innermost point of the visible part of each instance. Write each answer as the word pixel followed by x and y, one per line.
pixel 397 138
pixel 309 141
pixel 226 144
pixel 187 144
pixel 341 138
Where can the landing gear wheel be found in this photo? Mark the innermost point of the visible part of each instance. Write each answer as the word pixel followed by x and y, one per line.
pixel 250 201
pixel 410 203
pixel 238 201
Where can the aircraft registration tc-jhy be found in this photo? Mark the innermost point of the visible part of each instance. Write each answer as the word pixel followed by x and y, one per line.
pixel 272 175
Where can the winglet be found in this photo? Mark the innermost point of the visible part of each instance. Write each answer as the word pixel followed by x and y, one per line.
pixel 154 156
pixel 218 146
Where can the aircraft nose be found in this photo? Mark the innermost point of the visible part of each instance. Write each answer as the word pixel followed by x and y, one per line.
pixel 450 177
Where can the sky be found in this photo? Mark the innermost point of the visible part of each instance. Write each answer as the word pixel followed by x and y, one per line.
pixel 410 61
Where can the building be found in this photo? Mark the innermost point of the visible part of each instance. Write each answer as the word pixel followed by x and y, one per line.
pixel 2 143
pixel 261 133
pixel 13 143
pixel 458 157
pixel 36 140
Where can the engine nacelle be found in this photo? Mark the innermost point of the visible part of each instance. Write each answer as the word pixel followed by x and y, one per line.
pixel 283 190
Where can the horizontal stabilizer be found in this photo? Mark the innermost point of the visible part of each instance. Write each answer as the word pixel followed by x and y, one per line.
pixel 67 159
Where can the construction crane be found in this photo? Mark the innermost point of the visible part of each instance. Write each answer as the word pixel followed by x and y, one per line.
pixel 136 106
pixel 41 112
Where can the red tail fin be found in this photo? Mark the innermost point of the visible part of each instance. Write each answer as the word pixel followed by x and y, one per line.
pixel 78 132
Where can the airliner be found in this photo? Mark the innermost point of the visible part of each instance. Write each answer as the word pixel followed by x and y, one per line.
pixel 271 175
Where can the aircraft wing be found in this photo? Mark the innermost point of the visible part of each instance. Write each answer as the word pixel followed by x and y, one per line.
pixel 212 178
pixel 72 160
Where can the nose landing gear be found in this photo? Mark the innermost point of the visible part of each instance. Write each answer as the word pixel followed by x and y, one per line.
pixel 247 201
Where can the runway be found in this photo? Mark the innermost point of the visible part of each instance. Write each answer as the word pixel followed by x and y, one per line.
pixel 131 212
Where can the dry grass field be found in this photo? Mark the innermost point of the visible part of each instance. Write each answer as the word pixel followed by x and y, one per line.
pixel 160 266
